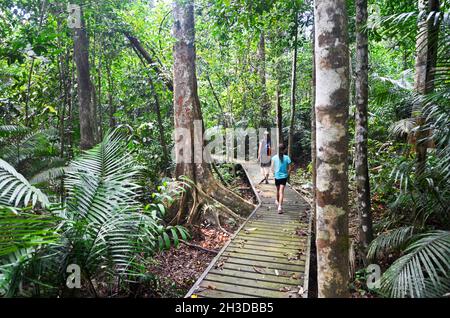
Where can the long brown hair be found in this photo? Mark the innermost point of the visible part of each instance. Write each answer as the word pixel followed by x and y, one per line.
pixel 281 151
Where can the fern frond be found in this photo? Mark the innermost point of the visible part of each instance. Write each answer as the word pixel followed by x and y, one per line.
pixel 389 241
pixel 16 190
pixel 423 270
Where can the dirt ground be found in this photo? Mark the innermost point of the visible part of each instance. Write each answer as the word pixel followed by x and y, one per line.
pixel 178 268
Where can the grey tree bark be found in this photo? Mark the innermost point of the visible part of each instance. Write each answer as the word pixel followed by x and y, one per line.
pixel 361 131
pixel 111 105
pixel 293 89
pixel 426 55
pixel 186 111
pixel 86 107
pixel 280 137
pixel 313 129
pixel 332 103
pixel 265 105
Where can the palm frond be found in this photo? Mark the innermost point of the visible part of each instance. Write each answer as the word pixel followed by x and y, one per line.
pixel 24 230
pixel 103 208
pixel 16 190
pixel 30 145
pixel 402 127
pixel 11 130
pixel 423 270
pixel 50 174
pixel 389 241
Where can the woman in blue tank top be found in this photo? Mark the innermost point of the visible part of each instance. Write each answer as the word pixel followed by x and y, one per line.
pixel 281 166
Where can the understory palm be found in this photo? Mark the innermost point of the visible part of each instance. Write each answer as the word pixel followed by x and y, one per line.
pixel 101 226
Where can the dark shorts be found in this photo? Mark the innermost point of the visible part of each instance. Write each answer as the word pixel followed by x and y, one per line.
pixel 265 164
pixel 280 181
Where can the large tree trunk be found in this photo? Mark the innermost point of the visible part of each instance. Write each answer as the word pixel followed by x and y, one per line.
pixel 313 128
pixel 86 109
pixel 361 88
pixel 265 105
pixel 279 119
pixel 188 139
pixel 426 55
pixel 99 107
pixel 332 102
pixel 293 89
pixel 111 105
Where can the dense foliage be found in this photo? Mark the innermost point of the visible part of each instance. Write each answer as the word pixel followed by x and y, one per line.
pixel 98 209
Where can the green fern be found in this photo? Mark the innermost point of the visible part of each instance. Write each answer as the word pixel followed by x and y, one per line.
pixel 423 270
pixel 16 190
pixel 389 241
pixel 103 227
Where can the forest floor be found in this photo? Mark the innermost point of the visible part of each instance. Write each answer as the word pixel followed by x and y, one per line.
pixel 178 268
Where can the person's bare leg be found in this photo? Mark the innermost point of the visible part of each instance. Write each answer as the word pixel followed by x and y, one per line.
pixel 278 194
pixel 263 173
pixel 266 174
pixel 280 198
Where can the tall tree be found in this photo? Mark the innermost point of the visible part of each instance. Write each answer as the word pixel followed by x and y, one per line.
pixel 426 56
pixel 313 126
pixel 279 118
pixel 361 96
pixel 86 107
pixel 293 88
pixel 332 102
pixel 187 113
pixel 265 105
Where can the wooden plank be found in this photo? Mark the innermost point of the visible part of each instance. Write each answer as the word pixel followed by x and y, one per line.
pixel 247 281
pixel 271 259
pixel 270 236
pixel 266 271
pixel 273 215
pixel 267 223
pixel 281 230
pixel 264 240
pixel 269 277
pixel 263 264
pixel 261 252
pixel 264 246
pixel 278 219
pixel 210 293
pixel 277 248
pixel 248 291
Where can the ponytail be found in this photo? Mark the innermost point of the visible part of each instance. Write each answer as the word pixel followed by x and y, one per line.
pixel 281 150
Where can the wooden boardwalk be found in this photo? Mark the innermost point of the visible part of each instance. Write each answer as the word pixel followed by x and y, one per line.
pixel 268 256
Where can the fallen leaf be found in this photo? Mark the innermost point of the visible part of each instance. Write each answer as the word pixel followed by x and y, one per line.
pixel 211 287
pixel 276 272
pixel 220 265
pixel 285 289
pixel 295 276
pixel 258 270
pixel 301 291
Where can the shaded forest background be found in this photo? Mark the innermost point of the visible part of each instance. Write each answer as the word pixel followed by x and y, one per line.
pixel 254 62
